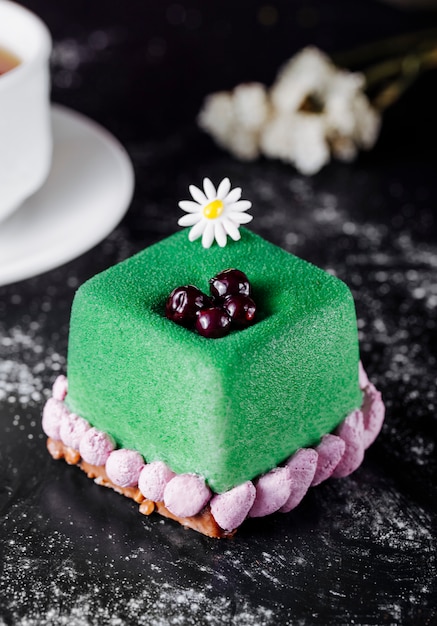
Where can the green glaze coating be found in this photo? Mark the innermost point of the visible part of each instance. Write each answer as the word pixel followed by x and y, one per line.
pixel 228 409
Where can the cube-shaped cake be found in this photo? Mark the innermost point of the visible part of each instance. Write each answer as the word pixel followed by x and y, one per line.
pixel 227 409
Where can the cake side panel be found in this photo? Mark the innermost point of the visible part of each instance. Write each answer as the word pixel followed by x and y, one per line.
pixel 148 391
pixel 288 391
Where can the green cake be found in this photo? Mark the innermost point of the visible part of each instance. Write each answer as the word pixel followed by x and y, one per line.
pixel 227 409
pixel 212 383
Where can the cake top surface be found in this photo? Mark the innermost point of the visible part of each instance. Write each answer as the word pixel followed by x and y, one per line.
pixel 285 287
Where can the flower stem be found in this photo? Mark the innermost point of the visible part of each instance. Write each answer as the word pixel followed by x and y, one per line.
pixel 362 55
pixel 391 65
pixel 404 71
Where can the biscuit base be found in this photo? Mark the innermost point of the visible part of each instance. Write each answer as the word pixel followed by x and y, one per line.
pixel 203 522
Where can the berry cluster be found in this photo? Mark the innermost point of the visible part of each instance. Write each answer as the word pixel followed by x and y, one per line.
pixel 229 305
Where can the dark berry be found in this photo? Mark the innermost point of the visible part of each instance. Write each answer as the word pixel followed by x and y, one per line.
pixel 183 304
pixel 213 323
pixel 230 282
pixel 241 309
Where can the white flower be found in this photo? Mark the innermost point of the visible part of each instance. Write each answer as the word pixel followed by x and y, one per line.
pixel 308 72
pixel 215 214
pixel 235 119
pixel 217 117
pixel 320 109
pixel 297 138
pixel 251 107
pixel 312 111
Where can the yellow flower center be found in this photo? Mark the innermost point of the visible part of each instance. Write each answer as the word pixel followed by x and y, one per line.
pixel 213 210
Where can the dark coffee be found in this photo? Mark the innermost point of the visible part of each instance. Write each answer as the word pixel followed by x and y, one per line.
pixel 7 61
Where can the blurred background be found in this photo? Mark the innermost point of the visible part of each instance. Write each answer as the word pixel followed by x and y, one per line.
pixel 161 59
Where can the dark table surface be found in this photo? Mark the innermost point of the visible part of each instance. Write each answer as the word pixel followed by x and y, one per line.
pixel 361 550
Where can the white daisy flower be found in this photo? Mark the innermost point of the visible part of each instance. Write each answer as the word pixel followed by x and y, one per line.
pixel 215 213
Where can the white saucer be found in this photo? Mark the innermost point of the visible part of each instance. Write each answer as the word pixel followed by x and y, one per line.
pixel 87 193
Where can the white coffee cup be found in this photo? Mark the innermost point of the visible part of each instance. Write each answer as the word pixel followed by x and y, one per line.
pixel 25 126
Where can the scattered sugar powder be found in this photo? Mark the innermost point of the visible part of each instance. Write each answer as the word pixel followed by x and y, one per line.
pixel 65 598
pixel 26 365
pixel 169 607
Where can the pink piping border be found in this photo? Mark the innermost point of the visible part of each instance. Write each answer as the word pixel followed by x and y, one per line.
pixel 281 489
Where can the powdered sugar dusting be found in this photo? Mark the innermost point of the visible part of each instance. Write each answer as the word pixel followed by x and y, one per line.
pixel 65 597
pixel 161 605
pixel 25 366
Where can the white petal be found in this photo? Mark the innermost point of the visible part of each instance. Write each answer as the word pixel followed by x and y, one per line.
pixel 220 234
pixel 189 206
pixel 243 205
pixel 224 188
pixel 208 235
pixel 198 195
pixel 209 189
pixel 197 230
pixel 310 146
pixel 190 219
pixel 231 229
pixel 233 196
pixel 240 218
